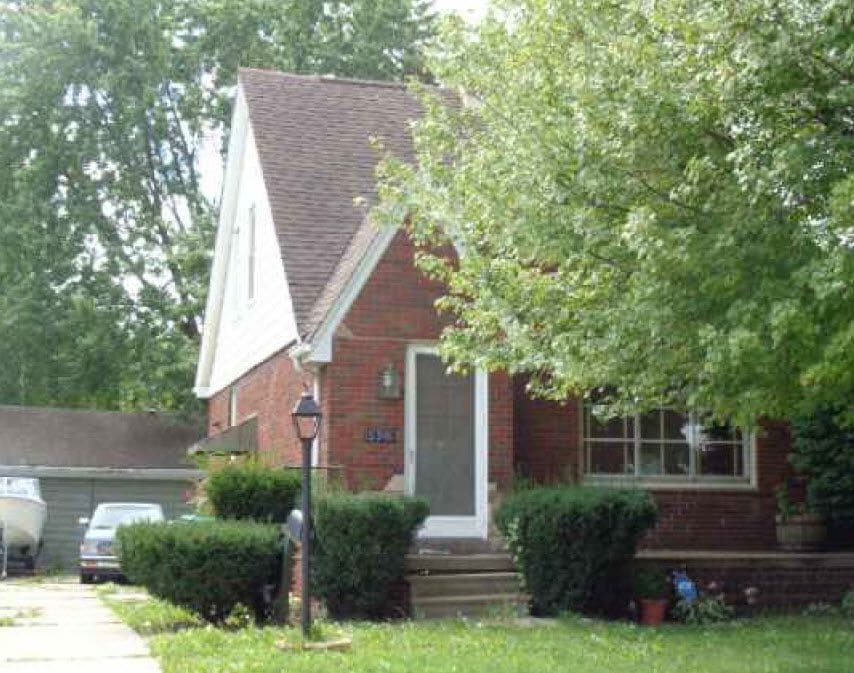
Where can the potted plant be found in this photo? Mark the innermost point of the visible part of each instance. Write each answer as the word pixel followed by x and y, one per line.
pixel 798 528
pixel 651 592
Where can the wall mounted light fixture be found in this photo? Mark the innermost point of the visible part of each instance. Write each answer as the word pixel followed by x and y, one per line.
pixel 388 384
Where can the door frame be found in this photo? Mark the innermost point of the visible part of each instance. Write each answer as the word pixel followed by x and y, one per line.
pixel 449 526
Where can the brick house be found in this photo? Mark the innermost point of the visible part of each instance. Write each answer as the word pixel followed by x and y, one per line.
pixel 305 291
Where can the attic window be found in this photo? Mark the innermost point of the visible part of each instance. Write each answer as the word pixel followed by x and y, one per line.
pixel 250 255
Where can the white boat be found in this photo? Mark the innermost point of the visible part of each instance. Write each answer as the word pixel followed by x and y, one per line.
pixel 22 516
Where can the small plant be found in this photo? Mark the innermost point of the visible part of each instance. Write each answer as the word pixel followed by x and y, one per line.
pixel 786 509
pixel 704 610
pixel 784 502
pixel 820 609
pixel 847 606
pixel 240 617
pixel 650 582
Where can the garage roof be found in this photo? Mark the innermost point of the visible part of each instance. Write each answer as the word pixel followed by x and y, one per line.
pixel 42 437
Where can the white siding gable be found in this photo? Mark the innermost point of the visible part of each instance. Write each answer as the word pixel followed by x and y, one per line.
pixel 246 321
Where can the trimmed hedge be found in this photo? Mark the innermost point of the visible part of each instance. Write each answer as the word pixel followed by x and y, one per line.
pixel 253 491
pixel 574 545
pixel 360 550
pixel 207 566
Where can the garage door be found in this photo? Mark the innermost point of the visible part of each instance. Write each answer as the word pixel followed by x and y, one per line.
pixel 69 499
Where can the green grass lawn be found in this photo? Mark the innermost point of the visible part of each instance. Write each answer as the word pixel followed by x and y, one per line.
pixel 761 645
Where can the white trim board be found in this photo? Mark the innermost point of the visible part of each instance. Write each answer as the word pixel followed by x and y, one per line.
pixel 450 526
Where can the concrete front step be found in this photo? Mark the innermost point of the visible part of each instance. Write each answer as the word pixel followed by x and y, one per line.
pixel 458 563
pixel 463 584
pixel 490 605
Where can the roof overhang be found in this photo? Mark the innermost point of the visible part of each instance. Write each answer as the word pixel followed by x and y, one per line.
pixel 129 473
pixel 317 348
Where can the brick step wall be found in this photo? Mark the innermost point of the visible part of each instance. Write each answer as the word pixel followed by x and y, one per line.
pixel 781 579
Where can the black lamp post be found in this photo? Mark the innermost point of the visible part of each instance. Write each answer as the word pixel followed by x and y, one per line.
pixel 306 417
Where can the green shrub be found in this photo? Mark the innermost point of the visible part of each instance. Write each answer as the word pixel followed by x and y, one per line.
pixel 208 567
pixel 847 606
pixel 360 550
pixel 574 545
pixel 823 451
pixel 253 491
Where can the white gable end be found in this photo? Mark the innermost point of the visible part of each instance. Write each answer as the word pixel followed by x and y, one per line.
pixel 249 315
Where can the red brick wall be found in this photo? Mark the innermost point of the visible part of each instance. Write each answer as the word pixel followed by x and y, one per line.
pixel 394 309
pixel 792 580
pixel 547 450
pixel 546 437
pixel 269 392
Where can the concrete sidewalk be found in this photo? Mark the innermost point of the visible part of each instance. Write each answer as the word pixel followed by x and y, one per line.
pixel 64 628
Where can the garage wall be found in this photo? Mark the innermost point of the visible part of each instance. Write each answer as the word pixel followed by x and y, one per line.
pixel 69 499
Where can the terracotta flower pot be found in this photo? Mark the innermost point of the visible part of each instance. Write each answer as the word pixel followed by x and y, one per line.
pixel 801 532
pixel 652 611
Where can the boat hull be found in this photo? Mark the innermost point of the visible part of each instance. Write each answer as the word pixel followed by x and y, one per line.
pixel 22 520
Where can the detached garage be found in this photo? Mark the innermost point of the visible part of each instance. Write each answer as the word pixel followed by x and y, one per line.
pixel 83 458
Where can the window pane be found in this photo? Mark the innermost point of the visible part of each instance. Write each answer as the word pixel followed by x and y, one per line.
pixel 602 428
pixel 675 425
pixel 607 457
pixel 718 458
pixel 650 425
pixel 676 459
pixel 718 432
pixel 650 458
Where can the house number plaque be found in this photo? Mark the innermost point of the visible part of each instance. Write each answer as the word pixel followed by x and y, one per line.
pixel 381 435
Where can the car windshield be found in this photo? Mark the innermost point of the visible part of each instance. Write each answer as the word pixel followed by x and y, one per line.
pixel 114 516
pixel 19 486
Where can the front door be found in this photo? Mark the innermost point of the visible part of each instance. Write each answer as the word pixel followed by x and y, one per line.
pixel 446 448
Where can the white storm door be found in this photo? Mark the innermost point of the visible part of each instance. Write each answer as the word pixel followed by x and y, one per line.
pixel 446 432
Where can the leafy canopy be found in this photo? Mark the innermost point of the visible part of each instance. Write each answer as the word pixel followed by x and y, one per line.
pixel 656 197
pixel 105 222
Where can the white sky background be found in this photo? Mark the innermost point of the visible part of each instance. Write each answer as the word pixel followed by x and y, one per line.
pixel 210 159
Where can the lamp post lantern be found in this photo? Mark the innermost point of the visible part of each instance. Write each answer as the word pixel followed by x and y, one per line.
pixel 306 417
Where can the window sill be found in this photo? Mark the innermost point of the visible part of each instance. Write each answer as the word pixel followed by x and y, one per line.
pixel 660 484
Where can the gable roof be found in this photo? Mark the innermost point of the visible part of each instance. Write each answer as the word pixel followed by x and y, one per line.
pixel 64 438
pixel 313 136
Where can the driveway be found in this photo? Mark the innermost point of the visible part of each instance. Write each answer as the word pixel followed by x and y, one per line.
pixel 62 627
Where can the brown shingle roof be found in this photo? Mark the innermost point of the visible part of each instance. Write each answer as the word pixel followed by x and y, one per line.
pixel 41 437
pixel 313 136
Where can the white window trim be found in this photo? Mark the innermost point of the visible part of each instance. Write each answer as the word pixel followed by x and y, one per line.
pixel 748 482
pixel 450 526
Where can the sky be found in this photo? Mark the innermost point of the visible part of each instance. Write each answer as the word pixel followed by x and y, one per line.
pixel 470 9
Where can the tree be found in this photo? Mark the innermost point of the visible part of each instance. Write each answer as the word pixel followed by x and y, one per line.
pixel 105 227
pixel 652 200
